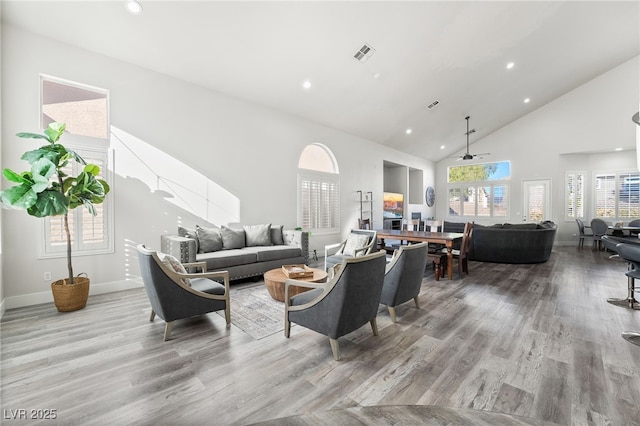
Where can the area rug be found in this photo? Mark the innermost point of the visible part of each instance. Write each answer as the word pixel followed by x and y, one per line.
pixel 255 312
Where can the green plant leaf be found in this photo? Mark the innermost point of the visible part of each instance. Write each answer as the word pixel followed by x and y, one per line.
pixel 105 186
pixel 92 168
pixel 54 131
pixel 75 156
pixel 49 203
pixel 52 153
pixel 32 136
pixel 12 176
pixel 20 196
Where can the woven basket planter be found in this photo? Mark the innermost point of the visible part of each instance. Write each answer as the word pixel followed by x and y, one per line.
pixel 70 297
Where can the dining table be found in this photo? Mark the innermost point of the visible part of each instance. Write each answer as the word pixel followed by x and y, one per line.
pixel 445 238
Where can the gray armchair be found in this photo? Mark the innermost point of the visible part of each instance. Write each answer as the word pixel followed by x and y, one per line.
pixel 358 243
pixel 403 277
pixel 176 295
pixel 343 304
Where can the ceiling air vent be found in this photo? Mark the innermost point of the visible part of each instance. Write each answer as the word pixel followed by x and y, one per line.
pixel 364 53
pixel 433 104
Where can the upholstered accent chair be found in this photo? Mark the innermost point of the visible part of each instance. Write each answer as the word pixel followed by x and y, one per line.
pixel 403 276
pixel 343 304
pixel 358 243
pixel 178 295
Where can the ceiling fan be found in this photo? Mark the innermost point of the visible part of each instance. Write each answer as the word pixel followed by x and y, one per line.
pixel 467 155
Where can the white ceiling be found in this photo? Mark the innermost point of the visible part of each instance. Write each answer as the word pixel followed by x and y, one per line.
pixel 451 51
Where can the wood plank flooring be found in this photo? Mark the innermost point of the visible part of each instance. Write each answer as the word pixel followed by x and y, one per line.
pixel 535 342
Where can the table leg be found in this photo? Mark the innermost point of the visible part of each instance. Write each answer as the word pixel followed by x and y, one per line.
pixel 450 261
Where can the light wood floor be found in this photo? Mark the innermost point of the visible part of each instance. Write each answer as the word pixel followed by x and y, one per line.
pixel 534 341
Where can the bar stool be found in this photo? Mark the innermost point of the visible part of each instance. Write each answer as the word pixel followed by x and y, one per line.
pixel 631 254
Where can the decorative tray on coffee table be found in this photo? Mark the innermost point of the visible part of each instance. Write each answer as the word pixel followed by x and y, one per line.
pixel 297 271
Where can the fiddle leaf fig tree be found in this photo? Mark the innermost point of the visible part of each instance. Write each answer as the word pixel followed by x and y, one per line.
pixel 46 190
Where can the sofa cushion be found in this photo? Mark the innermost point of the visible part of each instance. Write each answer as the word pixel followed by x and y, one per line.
pixel 219 260
pixel 265 254
pixel 257 235
pixel 276 235
pixel 232 238
pixel 189 233
pixel 209 239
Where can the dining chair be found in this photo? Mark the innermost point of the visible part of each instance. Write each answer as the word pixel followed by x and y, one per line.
pixel 364 224
pixel 635 222
pixel 599 228
pixel 582 235
pixel 462 255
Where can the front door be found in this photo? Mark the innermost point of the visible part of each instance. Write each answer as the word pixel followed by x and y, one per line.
pixel 537 200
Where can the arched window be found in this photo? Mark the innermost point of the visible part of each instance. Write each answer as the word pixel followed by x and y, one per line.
pixel 318 190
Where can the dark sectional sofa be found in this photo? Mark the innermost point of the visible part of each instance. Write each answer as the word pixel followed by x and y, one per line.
pixel 509 243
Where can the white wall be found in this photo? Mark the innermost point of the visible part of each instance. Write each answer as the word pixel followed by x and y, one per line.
pixel 593 119
pixel 248 152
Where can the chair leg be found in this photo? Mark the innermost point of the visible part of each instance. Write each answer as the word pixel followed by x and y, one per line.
pixel 436 270
pixel 227 313
pixel 415 299
pixel 374 326
pixel 153 315
pixel 287 328
pixel 392 313
pixel 335 349
pixel 167 330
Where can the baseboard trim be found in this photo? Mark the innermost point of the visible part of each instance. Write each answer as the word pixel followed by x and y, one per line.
pixel 46 297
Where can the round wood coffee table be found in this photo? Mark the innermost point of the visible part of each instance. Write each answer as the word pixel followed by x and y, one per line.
pixel 275 278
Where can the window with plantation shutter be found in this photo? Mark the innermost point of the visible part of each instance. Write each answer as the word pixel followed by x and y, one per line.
pixel 318 190
pixel 617 195
pixel 479 201
pixel 574 195
pixel 89 234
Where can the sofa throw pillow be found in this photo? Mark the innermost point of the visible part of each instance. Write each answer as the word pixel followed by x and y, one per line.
pixel 232 238
pixel 209 239
pixel 277 238
pixel 189 233
pixel 257 235
pixel 175 265
pixel 355 241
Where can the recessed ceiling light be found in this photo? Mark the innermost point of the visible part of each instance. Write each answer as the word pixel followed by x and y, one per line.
pixel 618 149
pixel 376 75
pixel 408 131
pixel 134 7
pixel 510 65
pixel 527 100
pixel 441 146
pixel 306 84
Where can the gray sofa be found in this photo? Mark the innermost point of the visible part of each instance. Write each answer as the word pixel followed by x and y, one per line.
pixel 509 243
pixel 243 251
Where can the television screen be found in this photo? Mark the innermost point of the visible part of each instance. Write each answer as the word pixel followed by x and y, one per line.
pixel 393 205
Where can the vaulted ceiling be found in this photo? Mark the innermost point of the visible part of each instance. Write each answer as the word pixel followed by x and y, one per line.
pixel 452 52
